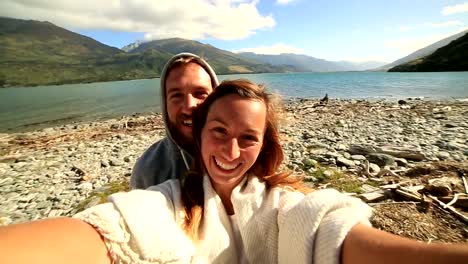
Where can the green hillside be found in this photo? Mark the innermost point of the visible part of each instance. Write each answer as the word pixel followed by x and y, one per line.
pixel 453 57
pixel 224 62
pixel 40 53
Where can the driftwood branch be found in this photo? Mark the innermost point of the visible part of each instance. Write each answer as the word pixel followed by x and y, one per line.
pixel 410 195
pixel 450 208
pixel 462 200
pixel 392 203
pixel 464 183
pixel 455 198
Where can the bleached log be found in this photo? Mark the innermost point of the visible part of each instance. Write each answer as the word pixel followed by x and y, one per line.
pixel 402 153
pixel 464 183
pixel 409 194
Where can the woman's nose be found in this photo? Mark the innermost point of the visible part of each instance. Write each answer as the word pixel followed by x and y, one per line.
pixel 232 150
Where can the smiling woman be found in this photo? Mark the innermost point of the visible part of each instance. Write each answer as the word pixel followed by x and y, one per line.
pixel 234 206
pixel 232 140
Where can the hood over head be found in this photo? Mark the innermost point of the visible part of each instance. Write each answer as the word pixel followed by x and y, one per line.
pixel 181 57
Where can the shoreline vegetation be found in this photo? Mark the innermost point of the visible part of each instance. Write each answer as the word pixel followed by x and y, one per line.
pixel 386 153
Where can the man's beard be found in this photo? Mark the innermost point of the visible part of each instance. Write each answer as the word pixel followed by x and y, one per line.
pixel 187 143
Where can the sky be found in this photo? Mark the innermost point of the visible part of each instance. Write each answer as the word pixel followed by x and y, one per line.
pixel 352 30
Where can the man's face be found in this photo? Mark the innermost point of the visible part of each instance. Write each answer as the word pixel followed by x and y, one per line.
pixel 186 86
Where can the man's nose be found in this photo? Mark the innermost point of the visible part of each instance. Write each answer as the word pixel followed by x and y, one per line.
pixel 232 150
pixel 189 103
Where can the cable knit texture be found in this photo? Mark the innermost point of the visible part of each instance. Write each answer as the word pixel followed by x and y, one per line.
pixel 276 225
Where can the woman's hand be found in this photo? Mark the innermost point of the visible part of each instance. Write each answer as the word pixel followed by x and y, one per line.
pixel 61 240
pixel 365 244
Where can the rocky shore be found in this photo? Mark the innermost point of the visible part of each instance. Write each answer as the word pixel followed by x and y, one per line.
pixel 49 173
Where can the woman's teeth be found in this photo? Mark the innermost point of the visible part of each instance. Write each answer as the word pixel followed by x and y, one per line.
pixel 187 123
pixel 225 166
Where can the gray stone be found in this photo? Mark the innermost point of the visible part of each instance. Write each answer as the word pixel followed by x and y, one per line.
pixel 342 161
pixel 27 198
pixel 361 149
pixel 296 154
pixel 374 168
pixel 366 188
pixel 115 162
pixel 55 213
pixel 443 155
pixel 358 157
pixel 104 163
pixel 373 197
pixel 341 147
pixel 380 159
pixel 309 162
pixel 328 173
pixel 86 187
pixel 454 146
pixel 401 161
pixel 6 181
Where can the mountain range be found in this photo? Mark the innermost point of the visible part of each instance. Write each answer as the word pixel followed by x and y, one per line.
pixel 41 53
pixel 304 63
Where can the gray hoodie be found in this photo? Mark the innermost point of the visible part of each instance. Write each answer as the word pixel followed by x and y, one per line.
pixel 165 159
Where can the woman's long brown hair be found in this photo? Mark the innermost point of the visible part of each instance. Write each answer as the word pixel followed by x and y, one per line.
pixel 266 166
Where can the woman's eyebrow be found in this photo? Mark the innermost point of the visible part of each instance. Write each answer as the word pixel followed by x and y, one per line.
pixel 217 119
pixel 249 130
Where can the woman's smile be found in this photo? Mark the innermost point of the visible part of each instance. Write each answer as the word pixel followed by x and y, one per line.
pixel 225 166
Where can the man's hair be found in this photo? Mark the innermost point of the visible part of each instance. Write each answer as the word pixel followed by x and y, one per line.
pixel 187 59
pixel 265 167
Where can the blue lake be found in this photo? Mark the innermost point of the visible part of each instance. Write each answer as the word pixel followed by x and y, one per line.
pixel 28 108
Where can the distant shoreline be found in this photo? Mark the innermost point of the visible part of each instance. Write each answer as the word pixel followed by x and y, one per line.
pixel 226 74
pixel 78 120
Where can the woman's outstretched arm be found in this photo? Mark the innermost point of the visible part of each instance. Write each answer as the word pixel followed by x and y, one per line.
pixel 364 245
pixel 61 240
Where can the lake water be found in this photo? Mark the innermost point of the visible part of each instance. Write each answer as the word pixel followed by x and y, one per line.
pixel 29 108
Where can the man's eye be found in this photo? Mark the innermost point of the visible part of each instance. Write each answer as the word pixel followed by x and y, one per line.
pixel 219 130
pixel 201 95
pixel 175 96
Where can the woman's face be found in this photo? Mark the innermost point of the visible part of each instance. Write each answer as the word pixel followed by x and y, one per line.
pixel 231 139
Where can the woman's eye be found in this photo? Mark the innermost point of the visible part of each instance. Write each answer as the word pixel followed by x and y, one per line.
pixel 250 138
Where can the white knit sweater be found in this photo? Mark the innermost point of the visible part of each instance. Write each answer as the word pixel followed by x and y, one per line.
pixel 276 225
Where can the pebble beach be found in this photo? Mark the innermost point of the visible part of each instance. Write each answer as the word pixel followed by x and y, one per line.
pixel 50 172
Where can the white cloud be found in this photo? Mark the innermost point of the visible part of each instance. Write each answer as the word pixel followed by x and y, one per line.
pixel 192 19
pixel 284 2
pixel 273 50
pixel 449 10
